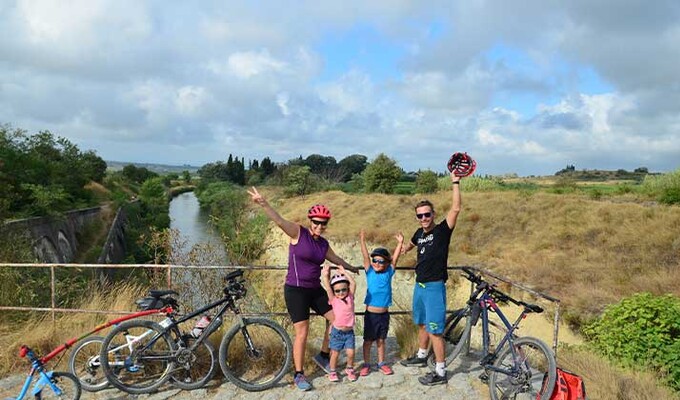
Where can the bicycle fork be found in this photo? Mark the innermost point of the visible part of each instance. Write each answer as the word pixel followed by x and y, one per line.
pixel 251 350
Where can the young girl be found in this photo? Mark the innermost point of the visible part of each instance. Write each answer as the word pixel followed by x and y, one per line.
pixel 379 268
pixel 340 290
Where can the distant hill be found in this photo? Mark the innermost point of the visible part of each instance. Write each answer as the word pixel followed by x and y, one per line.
pixel 157 168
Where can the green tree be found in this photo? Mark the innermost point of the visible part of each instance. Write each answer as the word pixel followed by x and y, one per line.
pixel 350 165
pixel 298 180
pixel 186 176
pixel 94 165
pixel 41 173
pixel 137 174
pixel 381 175
pixel 324 166
pixel 267 167
pixel 426 182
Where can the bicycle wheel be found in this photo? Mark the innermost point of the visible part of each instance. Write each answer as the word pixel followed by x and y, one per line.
pixel 194 369
pixel 521 369
pixel 66 382
pixel 84 364
pixel 256 354
pixel 456 333
pixel 137 357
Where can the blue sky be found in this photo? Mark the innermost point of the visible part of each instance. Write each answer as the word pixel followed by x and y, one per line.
pixel 561 82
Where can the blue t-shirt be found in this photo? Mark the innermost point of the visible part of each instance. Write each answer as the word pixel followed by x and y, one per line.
pixel 379 287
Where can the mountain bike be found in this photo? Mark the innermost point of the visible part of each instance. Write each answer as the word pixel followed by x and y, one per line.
pixel 519 366
pixel 139 356
pixel 48 384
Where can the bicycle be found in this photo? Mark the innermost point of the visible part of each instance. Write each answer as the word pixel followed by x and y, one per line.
pixel 139 356
pixel 518 365
pixel 49 384
pixel 84 359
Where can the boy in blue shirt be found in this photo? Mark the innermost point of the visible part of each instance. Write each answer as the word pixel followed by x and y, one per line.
pixel 379 266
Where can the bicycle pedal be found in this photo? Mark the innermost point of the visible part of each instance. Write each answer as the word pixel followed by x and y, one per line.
pixel 484 377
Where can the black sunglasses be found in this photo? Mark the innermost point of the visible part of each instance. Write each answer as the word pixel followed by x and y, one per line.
pixel 322 223
pixel 379 261
pixel 424 215
pixel 343 290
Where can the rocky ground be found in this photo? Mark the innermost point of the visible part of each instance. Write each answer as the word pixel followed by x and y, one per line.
pixel 403 384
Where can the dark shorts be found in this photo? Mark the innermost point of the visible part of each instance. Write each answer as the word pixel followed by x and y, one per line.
pixel 340 340
pixel 299 300
pixel 376 325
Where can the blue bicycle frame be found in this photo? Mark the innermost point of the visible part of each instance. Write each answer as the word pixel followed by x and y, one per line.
pixel 45 378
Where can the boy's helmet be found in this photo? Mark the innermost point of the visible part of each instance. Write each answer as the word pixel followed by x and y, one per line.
pixel 319 211
pixel 382 252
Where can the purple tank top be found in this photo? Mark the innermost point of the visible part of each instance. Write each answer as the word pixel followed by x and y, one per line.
pixel 305 259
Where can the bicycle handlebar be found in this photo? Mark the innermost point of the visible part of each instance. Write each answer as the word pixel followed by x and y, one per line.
pixel 474 277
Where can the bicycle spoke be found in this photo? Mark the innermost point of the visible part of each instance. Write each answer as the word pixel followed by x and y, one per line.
pixel 520 373
pixel 138 360
pixel 255 357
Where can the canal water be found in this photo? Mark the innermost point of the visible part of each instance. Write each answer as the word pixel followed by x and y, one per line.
pixel 192 225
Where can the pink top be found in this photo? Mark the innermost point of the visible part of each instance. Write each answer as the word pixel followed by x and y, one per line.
pixel 343 310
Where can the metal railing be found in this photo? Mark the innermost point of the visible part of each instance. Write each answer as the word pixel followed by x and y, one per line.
pixel 168 272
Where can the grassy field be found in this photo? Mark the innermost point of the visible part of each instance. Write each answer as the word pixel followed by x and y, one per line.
pixel 587 251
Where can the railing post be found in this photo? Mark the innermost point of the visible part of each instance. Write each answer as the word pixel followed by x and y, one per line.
pixel 169 278
pixel 52 294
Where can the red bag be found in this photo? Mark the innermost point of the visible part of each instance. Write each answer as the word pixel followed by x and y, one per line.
pixel 568 386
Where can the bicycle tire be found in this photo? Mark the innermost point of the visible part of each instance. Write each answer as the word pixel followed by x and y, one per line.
pixel 84 364
pixel 456 333
pixel 256 372
pixel 535 373
pixel 195 372
pixel 67 383
pixel 132 373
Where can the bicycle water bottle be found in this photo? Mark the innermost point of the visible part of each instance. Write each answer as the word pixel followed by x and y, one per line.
pixel 200 326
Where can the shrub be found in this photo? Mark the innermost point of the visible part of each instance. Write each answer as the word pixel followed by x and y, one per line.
pixel 665 187
pixel 641 330
pixel 426 182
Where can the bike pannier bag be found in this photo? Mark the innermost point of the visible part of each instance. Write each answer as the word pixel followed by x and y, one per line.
pixel 568 386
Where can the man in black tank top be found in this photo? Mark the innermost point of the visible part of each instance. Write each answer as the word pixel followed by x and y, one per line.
pixel 429 294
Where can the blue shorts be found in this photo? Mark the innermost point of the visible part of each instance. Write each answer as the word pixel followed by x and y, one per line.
pixel 341 339
pixel 429 306
pixel 376 325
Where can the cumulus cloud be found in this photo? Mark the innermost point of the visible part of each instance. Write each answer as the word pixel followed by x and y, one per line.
pixel 524 92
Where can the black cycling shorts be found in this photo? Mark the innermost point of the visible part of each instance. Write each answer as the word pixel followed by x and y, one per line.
pixel 299 300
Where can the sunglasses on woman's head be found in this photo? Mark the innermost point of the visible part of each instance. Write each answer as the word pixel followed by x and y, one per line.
pixel 379 261
pixel 322 223
pixel 424 215
pixel 343 290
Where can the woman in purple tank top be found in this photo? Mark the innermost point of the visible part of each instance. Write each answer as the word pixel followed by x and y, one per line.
pixel 302 290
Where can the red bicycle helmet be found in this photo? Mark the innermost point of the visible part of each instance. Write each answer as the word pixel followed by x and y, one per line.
pixel 461 164
pixel 319 211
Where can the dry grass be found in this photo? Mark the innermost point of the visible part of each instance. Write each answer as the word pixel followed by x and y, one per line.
pixel 42 335
pixel 603 381
pixel 586 252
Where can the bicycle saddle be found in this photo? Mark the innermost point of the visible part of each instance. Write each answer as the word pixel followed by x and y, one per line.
pixel 160 293
pixel 234 275
pixel 532 307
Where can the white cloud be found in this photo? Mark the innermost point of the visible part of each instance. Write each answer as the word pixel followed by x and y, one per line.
pixel 245 65
pixel 190 100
